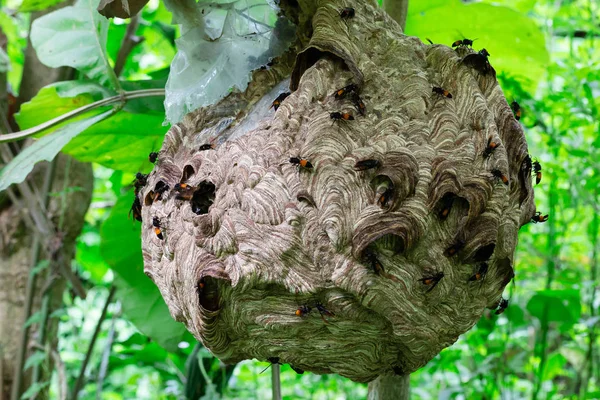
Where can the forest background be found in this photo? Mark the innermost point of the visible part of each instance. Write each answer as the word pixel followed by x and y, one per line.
pixel 545 345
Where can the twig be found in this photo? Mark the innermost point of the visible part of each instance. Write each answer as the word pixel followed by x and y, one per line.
pixel 134 94
pixel 276 381
pixel 129 42
pixel 88 354
pixel 106 353
pixel 62 375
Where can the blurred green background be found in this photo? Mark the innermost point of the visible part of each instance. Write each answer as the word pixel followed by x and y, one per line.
pixel 545 346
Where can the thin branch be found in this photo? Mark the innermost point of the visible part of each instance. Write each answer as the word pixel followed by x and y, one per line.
pixel 134 94
pixel 276 381
pixel 129 42
pixel 106 353
pixel 62 375
pixel 88 354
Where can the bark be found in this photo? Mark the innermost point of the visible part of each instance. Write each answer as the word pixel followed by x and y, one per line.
pixel 19 242
pixel 260 258
pixel 390 388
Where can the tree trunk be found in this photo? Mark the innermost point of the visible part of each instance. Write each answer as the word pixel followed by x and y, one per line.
pixel 348 231
pixel 23 245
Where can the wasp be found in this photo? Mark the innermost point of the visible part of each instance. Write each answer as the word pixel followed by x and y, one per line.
pixel 502 306
pixel 303 311
pixel 376 265
pixel 454 248
pixel 491 146
pixel 338 116
pixel 152 157
pixel 136 209
pixel 538 217
pixel 277 102
pixel 464 42
pixel 139 182
pixel 323 311
pixel 358 103
pixel 157 230
pixel 432 280
pixel 159 189
pixel 479 61
pixel 446 205
pixel 207 146
pixel 341 93
pixel 527 163
pixel 301 162
pixel 441 92
pixel 537 170
pixel 184 191
pixel 480 274
pixel 385 197
pixel 500 175
pixel 364 165
pixel 347 13
pixel 516 109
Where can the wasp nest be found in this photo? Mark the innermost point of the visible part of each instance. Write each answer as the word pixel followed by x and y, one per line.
pixel 381 254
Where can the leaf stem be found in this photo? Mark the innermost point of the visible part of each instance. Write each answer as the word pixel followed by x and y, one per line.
pixel 134 94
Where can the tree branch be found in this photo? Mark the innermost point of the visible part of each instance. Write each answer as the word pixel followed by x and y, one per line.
pixel 389 388
pixel 130 40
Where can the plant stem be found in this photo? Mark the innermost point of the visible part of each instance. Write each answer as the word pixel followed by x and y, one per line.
pixel 106 353
pixel 88 354
pixel 134 94
pixel 276 381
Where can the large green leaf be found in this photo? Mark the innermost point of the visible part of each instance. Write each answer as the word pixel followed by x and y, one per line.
pixel 45 148
pixel 37 5
pixel 142 303
pixel 514 40
pixel 121 142
pixel 562 306
pixel 75 36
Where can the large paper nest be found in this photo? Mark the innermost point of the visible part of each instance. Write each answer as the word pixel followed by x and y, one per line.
pixel 254 239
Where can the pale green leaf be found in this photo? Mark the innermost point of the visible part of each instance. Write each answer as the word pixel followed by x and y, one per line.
pixel 45 148
pixel 75 36
pixel 35 359
pixel 34 389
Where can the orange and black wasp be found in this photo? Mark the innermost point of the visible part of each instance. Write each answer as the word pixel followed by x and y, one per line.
pixel 441 92
pixel 206 146
pixel 516 109
pixel 384 198
pixel 157 230
pixel 301 162
pixel 184 191
pixel 339 116
pixel 463 42
pixel 136 209
pixel 375 264
pixel 537 170
pixel 303 311
pixel 454 248
pixel 159 189
pixel 277 102
pixel 364 165
pixel 479 62
pixel 538 217
pixel 432 280
pixel 341 93
pixel 358 103
pixel 526 163
pixel 491 146
pixel 323 311
pixel 445 205
pixel 480 273
pixel 153 156
pixel 502 306
pixel 347 13
pixel 500 175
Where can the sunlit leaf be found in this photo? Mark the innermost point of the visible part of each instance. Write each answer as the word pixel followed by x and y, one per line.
pixel 556 306
pixel 37 5
pixel 34 389
pixel 35 359
pixel 44 149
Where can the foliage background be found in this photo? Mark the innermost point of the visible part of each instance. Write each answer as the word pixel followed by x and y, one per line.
pixel 544 345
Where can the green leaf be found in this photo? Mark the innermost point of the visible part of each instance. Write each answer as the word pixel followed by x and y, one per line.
pixel 515 42
pixel 35 359
pixel 37 5
pixel 75 36
pixel 556 306
pixel 121 142
pixel 39 267
pixel 121 247
pixel 554 366
pixel 33 319
pixel 45 148
pixel 34 389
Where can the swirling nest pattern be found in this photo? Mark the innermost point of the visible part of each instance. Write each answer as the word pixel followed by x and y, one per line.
pixel 277 237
